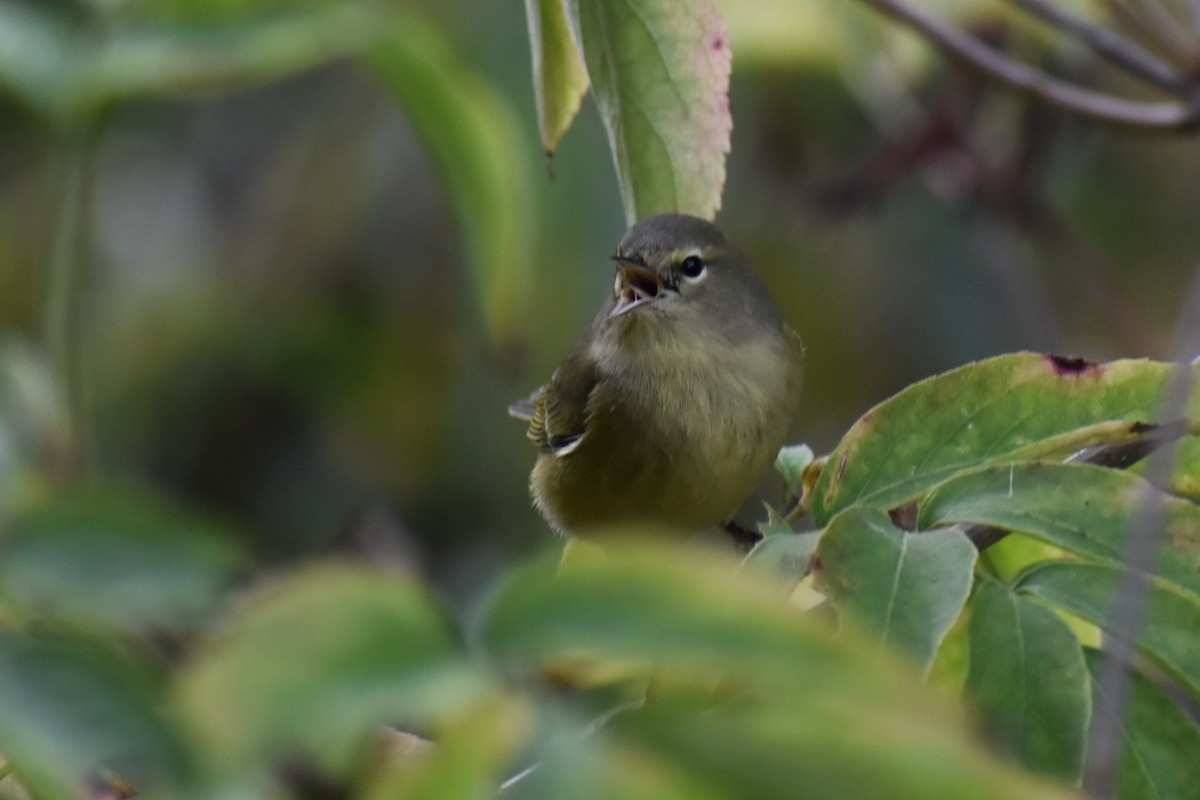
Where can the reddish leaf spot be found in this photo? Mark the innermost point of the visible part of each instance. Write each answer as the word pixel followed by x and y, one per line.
pixel 1071 366
pixel 717 41
pixel 905 517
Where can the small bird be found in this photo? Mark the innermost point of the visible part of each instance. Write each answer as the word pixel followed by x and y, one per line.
pixel 675 400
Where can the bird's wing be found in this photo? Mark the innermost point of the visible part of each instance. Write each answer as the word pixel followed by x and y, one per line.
pixel 559 420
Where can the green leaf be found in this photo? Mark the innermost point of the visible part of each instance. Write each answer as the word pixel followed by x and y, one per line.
pixel 600 766
pixel 316 660
pixel 770 750
pixel 476 144
pixel 750 699
pixel 1028 678
pixel 1085 509
pixel 988 412
pixel 660 74
pixel 908 588
pixel 791 463
pixel 1161 742
pixel 68 709
pixel 789 554
pixel 689 614
pixel 117 559
pixel 465 758
pixel 1172 618
pixel 559 77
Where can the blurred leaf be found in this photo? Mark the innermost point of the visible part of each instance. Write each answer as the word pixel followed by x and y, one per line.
pixel 71 69
pixel 68 709
pixel 1085 509
pixel 909 588
pixel 1161 742
pixel 165 61
pixel 791 463
pixel 559 77
pixel 582 762
pixel 685 612
pixel 841 749
pixel 660 74
pixel 1172 618
pixel 783 32
pixel 121 560
pixel 464 760
pixel 476 143
pixel 749 699
pixel 33 421
pixel 1028 678
pixel 195 13
pixel 985 412
pixel 315 661
pixel 35 53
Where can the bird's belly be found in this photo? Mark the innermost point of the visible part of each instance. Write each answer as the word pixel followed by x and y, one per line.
pixel 684 480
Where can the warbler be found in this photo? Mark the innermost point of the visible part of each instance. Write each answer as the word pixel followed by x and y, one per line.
pixel 673 403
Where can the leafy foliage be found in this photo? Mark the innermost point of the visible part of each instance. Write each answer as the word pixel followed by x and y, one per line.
pixel 136 645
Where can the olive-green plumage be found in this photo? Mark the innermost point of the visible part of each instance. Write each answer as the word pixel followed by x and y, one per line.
pixel 673 403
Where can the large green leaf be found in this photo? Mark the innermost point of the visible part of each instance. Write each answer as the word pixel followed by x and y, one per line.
pixel 475 142
pixel 660 74
pixel 687 614
pixel 771 750
pixel 69 709
pixel 117 559
pixel 316 660
pixel 1160 742
pixel 748 697
pixel 909 588
pixel 559 77
pixel 1081 508
pixel 1172 618
pixel 1028 678
pixel 986 412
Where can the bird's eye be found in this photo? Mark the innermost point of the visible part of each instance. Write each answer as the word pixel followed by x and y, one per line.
pixel 692 267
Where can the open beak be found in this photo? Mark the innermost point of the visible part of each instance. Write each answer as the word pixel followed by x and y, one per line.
pixel 636 286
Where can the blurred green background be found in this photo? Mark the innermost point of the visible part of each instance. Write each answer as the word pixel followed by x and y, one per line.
pixel 281 326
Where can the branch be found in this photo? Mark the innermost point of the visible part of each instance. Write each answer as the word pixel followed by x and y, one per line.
pixel 1095 105
pixel 1113 46
pixel 1163 30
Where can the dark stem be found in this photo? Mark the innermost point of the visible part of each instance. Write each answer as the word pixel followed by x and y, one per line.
pixel 1168 33
pixel 66 278
pixel 1111 45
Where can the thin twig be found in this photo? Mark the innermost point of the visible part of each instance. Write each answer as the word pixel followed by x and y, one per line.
pixel 1111 45
pixel 1096 105
pixel 1169 32
pixel 1141 28
pixel 1129 604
